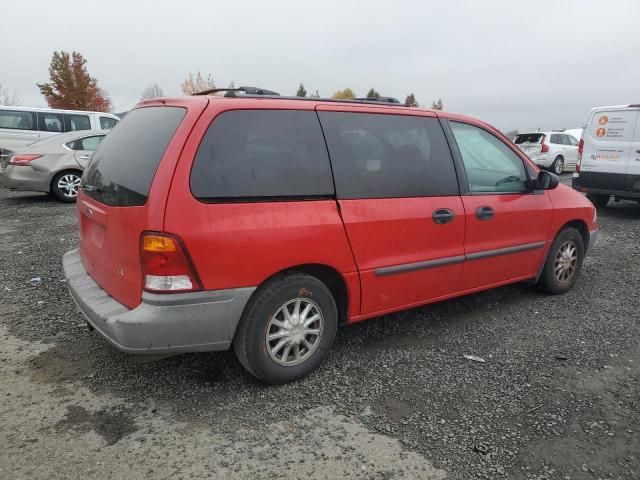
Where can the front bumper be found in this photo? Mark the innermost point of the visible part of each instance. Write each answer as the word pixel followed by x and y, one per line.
pixel 162 323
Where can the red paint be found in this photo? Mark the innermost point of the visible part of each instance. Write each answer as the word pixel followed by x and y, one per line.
pixel 243 244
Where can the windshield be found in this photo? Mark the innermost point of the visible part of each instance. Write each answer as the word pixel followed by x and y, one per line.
pixel 529 138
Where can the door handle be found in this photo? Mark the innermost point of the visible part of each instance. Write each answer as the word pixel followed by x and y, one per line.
pixel 85 157
pixel 484 213
pixel 442 216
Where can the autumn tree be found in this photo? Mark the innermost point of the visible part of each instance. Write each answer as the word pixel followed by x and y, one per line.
pixel 197 83
pixel 302 92
pixel 152 91
pixel 7 98
pixel 346 94
pixel 71 86
pixel 437 105
pixel 372 93
pixel 411 101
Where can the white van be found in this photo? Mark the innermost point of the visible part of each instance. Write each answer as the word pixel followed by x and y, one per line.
pixel 609 155
pixel 20 126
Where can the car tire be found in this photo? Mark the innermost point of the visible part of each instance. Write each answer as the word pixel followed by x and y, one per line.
pixel 64 185
pixel 273 345
pixel 600 201
pixel 557 166
pixel 564 262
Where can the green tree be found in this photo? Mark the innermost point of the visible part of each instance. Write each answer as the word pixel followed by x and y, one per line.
pixel 372 93
pixel 411 101
pixel 437 105
pixel 71 86
pixel 302 92
pixel 315 95
pixel 346 94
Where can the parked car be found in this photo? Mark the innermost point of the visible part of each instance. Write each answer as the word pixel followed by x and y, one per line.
pixel 53 165
pixel 21 126
pixel 555 151
pixel 263 223
pixel 609 158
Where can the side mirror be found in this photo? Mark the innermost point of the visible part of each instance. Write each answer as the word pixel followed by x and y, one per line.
pixel 547 180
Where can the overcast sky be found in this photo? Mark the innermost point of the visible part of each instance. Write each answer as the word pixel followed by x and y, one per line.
pixel 514 64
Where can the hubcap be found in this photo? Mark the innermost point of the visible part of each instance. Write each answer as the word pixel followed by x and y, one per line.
pixel 68 184
pixel 566 262
pixel 294 332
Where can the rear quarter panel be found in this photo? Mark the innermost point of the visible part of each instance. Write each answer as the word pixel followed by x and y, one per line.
pixel 243 244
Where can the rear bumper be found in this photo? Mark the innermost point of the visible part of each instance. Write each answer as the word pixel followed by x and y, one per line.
pixel 162 323
pixel 25 178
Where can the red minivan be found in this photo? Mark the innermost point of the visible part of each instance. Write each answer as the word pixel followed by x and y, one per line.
pixel 264 222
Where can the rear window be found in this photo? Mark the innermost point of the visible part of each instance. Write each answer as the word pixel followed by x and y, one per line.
pixel 528 138
pixel 123 167
pixel 387 156
pixel 262 154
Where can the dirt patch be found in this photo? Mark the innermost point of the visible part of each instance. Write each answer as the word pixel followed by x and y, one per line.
pixel 56 366
pixel 112 425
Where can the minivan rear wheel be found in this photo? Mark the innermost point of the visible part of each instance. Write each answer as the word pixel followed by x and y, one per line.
pixel 65 185
pixel 564 262
pixel 287 329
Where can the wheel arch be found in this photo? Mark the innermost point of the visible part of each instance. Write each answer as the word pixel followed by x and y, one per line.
pixel 328 275
pixel 580 226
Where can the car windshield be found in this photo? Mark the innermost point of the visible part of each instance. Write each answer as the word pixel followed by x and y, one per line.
pixel 529 138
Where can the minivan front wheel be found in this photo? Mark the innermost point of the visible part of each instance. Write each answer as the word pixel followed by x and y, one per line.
pixel 287 329
pixel 564 262
pixel 65 185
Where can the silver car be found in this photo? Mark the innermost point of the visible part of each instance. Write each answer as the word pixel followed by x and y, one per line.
pixel 53 165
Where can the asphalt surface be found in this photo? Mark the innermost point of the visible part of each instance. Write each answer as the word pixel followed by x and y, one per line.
pixel 557 397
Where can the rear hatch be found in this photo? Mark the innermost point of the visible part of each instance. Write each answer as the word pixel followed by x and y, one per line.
pixel 530 143
pixel 124 190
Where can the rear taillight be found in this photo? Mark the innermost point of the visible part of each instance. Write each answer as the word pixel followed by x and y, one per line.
pixel 166 267
pixel 22 159
pixel 545 147
pixel 580 150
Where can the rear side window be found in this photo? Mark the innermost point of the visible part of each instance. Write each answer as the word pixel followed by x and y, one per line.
pixel 262 154
pixel 75 122
pixel 17 120
pixel 386 156
pixel 528 138
pixel 50 122
pixel 557 139
pixel 123 167
pixel 87 143
pixel 107 123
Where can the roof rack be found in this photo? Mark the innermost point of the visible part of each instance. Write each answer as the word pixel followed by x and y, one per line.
pixel 245 90
pixel 378 99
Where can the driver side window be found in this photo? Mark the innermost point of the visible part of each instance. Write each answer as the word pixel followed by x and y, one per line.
pixel 491 166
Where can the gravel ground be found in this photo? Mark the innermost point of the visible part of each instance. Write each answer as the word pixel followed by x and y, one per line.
pixel 558 396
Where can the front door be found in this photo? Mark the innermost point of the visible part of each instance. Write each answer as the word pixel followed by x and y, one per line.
pixel 398 197
pixel 507 224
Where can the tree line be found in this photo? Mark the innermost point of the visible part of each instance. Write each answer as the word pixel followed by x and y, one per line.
pixel 71 87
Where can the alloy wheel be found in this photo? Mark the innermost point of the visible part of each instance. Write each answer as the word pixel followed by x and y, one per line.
pixel 68 184
pixel 566 262
pixel 294 332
